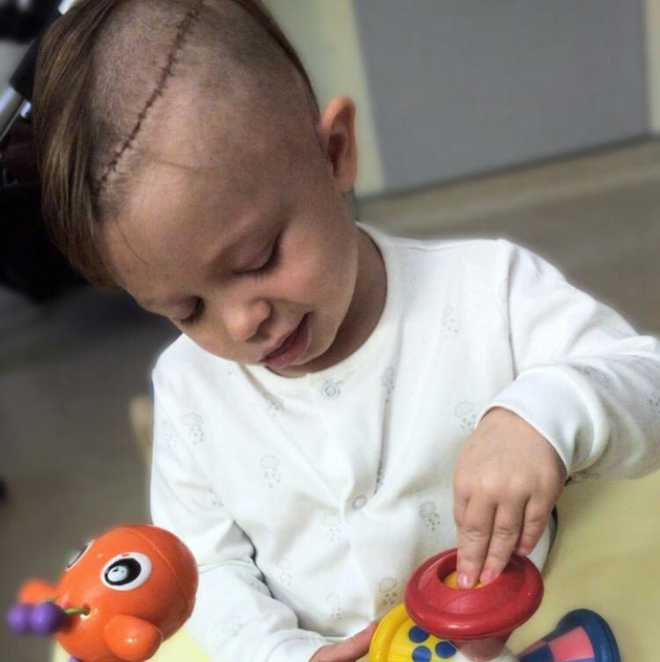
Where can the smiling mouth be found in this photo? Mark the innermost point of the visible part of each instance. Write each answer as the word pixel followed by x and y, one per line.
pixel 285 344
pixel 291 347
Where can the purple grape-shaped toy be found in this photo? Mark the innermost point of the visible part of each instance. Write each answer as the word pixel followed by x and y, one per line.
pixel 18 618
pixel 46 618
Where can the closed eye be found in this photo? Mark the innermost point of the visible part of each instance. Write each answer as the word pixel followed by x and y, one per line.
pixel 269 263
pixel 195 315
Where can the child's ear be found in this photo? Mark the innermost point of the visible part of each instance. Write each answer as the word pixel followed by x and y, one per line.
pixel 336 130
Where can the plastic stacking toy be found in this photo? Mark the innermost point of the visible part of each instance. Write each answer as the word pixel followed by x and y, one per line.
pixel 439 621
pixel 118 599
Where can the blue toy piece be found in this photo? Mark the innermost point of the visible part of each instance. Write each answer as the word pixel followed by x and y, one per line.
pixel 581 636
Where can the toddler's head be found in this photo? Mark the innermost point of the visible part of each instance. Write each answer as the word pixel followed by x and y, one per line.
pixel 184 159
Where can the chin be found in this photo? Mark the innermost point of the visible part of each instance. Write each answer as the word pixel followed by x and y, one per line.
pixel 318 359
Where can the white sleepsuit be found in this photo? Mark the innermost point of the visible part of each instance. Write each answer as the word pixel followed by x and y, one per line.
pixel 308 502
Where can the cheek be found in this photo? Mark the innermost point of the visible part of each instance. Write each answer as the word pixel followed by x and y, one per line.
pixel 324 277
pixel 211 339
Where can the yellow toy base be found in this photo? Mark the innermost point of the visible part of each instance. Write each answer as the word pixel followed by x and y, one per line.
pixel 397 637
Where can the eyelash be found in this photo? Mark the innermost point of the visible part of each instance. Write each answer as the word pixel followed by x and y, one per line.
pixel 255 273
pixel 268 264
pixel 195 315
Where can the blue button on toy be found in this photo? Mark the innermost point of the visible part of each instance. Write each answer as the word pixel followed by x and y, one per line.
pixel 445 649
pixel 422 654
pixel 417 635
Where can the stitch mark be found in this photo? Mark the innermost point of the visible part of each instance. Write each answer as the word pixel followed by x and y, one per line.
pixel 182 31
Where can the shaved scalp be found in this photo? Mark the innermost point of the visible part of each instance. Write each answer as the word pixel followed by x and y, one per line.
pixel 114 74
pixel 110 70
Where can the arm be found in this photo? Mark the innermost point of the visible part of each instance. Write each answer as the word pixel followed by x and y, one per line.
pixel 235 617
pixel 585 379
pixel 584 403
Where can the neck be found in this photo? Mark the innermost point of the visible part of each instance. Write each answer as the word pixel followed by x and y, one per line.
pixel 367 304
pixel 370 292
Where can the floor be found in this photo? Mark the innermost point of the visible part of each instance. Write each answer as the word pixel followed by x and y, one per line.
pixel 69 370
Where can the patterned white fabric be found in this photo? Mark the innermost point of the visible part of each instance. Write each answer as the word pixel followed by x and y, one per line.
pixel 308 502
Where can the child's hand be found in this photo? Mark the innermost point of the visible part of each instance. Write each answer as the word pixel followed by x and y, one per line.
pixel 349 650
pixel 507 480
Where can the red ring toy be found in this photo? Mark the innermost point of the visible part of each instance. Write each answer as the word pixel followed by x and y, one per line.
pixel 493 610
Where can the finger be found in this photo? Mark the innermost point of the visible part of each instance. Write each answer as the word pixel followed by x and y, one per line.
pixel 535 521
pixel 460 506
pixel 473 540
pixel 349 650
pixel 507 525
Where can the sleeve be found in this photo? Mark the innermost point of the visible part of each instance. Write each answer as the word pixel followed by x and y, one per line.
pixel 235 617
pixel 584 378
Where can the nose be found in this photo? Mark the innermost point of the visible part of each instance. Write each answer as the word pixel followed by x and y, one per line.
pixel 243 320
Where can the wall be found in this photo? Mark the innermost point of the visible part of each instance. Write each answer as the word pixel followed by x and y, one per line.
pixel 652 18
pixel 459 87
pixel 464 86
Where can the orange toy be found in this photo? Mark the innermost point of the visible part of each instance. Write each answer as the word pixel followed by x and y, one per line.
pixel 118 599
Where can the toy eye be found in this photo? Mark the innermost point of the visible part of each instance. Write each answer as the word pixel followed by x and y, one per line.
pixel 126 571
pixel 76 556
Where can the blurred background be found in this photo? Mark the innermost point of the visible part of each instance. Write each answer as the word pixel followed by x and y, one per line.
pixel 528 119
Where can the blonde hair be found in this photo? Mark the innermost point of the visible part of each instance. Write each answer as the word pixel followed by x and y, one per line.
pixel 92 98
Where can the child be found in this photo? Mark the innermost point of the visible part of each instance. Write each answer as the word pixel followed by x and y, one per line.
pixel 337 396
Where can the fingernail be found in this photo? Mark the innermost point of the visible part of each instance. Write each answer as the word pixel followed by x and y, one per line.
pixel 464 581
